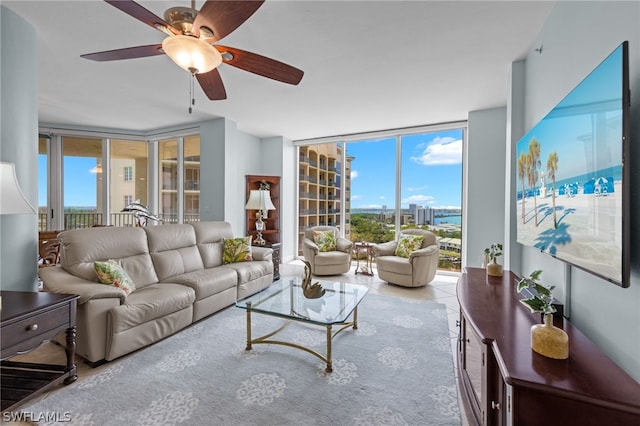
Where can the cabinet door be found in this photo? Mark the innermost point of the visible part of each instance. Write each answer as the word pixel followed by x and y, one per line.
pixel 473 371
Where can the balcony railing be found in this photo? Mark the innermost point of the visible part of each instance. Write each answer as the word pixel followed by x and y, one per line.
pixel 78 220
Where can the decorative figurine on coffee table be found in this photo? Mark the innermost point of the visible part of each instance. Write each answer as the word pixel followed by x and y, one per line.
pixel 310 291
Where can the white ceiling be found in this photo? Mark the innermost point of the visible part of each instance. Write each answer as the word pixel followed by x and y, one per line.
pixel 369 65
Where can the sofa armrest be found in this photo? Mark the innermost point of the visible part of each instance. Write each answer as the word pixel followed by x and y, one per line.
pixel 344 245
pixel 385 249
pixel 262 253
pixel 57 280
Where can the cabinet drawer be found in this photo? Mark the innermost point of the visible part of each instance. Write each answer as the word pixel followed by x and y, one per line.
pixel 42 326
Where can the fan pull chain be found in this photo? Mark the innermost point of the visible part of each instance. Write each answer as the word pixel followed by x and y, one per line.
pixel 191 90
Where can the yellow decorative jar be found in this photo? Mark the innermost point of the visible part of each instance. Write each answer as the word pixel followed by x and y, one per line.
pixel 494 269
pixel 549 340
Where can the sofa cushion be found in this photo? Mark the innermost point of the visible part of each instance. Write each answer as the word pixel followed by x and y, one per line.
pixel 80 248
pixel 237 250
pixel 173 250
pixel 208 282
pixel 408 243
pixel 211 254
pixel 249 271
pixel 149 303
pixel 111 273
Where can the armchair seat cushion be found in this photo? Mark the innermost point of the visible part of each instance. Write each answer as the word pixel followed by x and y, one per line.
pixel 332 258
pixel 395 264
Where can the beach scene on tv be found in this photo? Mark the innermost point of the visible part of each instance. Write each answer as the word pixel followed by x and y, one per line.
pixel 569 178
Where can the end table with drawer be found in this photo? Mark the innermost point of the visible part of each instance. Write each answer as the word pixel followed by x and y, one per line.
pixel 276 257
pixel 27 320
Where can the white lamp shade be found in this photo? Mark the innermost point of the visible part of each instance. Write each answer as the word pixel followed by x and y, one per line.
pixel 259 200
pixel 191 54
pixel 12 200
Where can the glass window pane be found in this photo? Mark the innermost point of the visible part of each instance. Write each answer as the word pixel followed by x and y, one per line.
pixel 168 179
pixel 372 189
pixel 82 182
pixel 432 189
pixel 192 178
pixel 129 162
pixel 320 188
pixel 43 183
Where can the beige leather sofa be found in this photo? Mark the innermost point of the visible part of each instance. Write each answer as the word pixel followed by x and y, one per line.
pixel 178 274
pixel 417 270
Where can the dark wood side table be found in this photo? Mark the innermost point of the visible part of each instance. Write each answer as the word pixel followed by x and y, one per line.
pixel 276 257
pixel 27 320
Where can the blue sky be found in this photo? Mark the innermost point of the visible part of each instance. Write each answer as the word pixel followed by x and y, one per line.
pixel 79 181
pixel 592 111
pixel 431 171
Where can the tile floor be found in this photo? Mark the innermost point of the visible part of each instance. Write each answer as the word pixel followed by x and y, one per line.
pixel 441 290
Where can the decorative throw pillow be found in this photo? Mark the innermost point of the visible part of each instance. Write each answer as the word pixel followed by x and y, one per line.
pixel 237 250
pixel 325 240
pixel 111 273
pixel 407 244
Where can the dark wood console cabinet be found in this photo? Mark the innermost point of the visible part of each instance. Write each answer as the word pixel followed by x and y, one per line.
pixel 503 382
pixel 27 320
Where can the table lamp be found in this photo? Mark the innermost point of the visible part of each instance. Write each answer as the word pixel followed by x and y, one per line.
pixel 260 200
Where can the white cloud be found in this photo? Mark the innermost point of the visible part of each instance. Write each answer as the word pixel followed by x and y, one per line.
pixel 419 199
pixel 354 174
pixel 441 152
pixel 381 197
pixel 417 188
pixel 94 170
pixel 356 197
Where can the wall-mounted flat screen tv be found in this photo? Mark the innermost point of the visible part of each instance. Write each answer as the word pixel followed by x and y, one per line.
pixel 573 175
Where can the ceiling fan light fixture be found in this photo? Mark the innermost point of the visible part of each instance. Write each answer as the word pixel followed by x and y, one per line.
pixel 191 53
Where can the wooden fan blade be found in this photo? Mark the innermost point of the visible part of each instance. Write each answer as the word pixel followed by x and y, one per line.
pixel 212 85
pixel 223 17
pixel 134 10
pixel 260 65
pixel 126 53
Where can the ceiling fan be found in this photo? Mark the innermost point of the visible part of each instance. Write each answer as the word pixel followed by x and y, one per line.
pixel 191 34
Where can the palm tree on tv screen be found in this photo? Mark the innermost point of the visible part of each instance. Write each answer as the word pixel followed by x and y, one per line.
pixel 552 168
pixel 522 172
pixel 534 162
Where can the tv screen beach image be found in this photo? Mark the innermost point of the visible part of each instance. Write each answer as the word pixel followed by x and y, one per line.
pixel 569 176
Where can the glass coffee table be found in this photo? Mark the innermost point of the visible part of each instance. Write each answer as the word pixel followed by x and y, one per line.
pixel 284 299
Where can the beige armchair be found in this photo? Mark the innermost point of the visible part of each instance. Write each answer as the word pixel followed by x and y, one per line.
pixel 417 270
pixel 334 262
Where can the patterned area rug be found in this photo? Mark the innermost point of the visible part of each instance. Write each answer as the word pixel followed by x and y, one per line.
pixel 395 369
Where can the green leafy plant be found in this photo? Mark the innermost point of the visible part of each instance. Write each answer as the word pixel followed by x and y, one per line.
pixel 493 251
pixel 542 300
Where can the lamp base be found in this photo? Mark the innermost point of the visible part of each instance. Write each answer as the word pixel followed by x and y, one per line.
pixel 258 240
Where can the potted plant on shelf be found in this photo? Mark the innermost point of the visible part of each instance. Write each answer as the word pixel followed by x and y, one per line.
pixel 491 254
pixel 546 339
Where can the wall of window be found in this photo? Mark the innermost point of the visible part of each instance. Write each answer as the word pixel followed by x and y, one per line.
pixel 390 181
pixel 87 179
pixel 128 177
pixel 179 179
